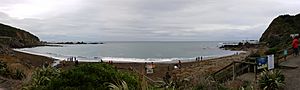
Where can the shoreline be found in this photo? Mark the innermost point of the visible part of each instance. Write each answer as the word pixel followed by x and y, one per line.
pixel 133 60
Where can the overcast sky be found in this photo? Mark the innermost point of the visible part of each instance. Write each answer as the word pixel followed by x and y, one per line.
pixel 144 20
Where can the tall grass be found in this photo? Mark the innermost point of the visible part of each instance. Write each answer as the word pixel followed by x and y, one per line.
pixel 5 71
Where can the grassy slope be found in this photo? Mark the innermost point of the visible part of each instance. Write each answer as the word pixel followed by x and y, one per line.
pixel 15 37
pixel 278 33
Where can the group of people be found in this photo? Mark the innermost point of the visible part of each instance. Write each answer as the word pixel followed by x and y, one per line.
pixel 199 58
pixel 149 68
pixel 178 65
pixel 109 62
pixel 71 59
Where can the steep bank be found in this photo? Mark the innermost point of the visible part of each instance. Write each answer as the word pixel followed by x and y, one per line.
pixel 13 61
pixel 17 38
pixel 23 62
pixel 278 33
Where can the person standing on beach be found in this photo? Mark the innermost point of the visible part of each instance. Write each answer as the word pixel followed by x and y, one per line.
pixel 295 46
pixel 145 67
pixel 179 64
pixel 101 60
pixel 285 53
pixel 76 62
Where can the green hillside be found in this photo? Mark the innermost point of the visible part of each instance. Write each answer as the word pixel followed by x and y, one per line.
pixel 278 33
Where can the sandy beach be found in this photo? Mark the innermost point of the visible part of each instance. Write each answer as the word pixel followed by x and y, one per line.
pixel 192 69
pixel 159 71
pixel 189 70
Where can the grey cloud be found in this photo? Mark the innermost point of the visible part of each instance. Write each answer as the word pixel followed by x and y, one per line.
pixel 151 20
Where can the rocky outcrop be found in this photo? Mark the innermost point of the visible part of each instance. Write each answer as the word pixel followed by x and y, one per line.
pixel 278 33
pixel 17 38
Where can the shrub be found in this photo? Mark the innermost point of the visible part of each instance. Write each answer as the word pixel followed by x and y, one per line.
pixel 271 51
pixel 6 72
pixel 18 74
pixel 42 77
pixel 209 84
pixel 122 86
pixel 85 76
pixel 271 80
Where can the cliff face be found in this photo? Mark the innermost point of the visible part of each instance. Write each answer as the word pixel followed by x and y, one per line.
pixel 278 33
pixel 17 38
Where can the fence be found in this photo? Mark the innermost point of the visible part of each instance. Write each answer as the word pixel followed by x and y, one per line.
pixel 231 71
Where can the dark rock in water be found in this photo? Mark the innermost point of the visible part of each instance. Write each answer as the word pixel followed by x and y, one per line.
pixel 73 42
pixel 93 43
pixel 278 33
pixel 17 38
pixel 81 42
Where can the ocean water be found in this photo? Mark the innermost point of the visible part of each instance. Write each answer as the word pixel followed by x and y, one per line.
pixel 134 51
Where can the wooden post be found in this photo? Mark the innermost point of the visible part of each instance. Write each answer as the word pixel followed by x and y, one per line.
pixel 255 71
pixel 233 71
pixel 249 65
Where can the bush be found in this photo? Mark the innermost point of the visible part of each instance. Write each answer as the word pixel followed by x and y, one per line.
pixel 255 55
pixel 122 86
pixel 271 80
pixel 4 69
pixel 271 51
pixel 42 77
pixel 85 76
pixel 18 74
pixel 6 72
pixel 209 84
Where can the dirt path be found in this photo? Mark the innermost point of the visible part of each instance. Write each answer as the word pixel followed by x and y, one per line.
pixel 292 75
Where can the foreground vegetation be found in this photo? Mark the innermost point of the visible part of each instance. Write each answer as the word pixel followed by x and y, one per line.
pixel 271 80
pixel 6 72
pixel 86 76
pixel 101 76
